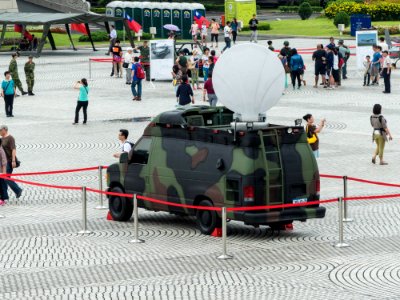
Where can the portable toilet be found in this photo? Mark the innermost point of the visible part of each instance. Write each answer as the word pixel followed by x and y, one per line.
pixel 177 16
pixel 137 11
pixel 242 10
pixel 115 9
pixel 157 18
pixel 146 24
pixel 119 13
pixel 166 18
pixel 187 20
pixel 129 8
pixel 200 8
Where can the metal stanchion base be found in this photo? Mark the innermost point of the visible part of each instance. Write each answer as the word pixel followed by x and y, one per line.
pixel 341 245
pixel 101 207
pixel 84 232
pixel 348 220
pixel 136 241
pixel 225 256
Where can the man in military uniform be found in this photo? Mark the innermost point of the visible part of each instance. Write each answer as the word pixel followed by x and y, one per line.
pixel 145 58
pixel 13 68
pixel 30 75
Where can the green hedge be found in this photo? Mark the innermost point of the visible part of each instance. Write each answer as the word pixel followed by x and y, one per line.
pixel 99 10
pixel 261 26
pixel 102 36
pixel 295 9
pixel 214 7
pixel 378 12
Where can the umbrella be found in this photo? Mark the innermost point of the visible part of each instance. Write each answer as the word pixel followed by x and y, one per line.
pixel 172 27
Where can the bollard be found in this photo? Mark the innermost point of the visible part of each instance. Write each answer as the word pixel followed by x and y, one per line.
pixel 341 244
pixel 90 69
pixel 136 239
pixel 84 212
pixel 101 205
pixel 345 218
pixel 224 254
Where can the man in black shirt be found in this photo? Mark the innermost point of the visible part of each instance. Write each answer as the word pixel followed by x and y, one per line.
pixel 285 52
pixel 319 57
pixel 185 92
pixel 253 23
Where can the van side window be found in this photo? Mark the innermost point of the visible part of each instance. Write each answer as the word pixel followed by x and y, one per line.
pixel 140 152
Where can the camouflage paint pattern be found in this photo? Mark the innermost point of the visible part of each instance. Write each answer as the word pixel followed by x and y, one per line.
pixel 187 164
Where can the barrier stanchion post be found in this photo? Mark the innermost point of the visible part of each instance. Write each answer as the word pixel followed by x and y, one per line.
pixel 345 215
pixel 136 239
pixel 101 197
pixel 224 234
pixel 341 243
pixel 84 212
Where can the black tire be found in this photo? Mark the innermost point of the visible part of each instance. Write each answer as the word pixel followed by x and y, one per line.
pixel 121 208
pixel 207 220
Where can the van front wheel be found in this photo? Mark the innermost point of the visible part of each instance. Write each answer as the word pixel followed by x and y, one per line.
pixel 121 208
pixel 207 220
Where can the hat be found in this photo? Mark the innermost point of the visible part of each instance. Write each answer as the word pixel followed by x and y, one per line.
pixel 286 43
pixel 3 127
pixel 129 49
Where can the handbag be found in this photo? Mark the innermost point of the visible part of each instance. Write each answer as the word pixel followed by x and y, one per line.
pixel 125 65
pixel 17 162
pixel 311 139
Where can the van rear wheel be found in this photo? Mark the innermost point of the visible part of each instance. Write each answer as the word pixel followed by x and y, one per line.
pixel 121 208
pixel 207 220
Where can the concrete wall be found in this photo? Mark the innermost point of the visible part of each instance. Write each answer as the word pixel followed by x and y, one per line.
pixel 8 6
pixel 62 5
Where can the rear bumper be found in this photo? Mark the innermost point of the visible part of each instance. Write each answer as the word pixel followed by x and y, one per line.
pixel 291 214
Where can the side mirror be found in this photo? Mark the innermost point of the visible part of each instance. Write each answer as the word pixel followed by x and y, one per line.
pixel 123 159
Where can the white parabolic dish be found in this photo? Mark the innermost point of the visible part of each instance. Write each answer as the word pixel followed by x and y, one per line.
pixel 249 79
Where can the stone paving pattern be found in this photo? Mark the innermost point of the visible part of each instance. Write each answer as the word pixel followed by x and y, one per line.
pixel 43 256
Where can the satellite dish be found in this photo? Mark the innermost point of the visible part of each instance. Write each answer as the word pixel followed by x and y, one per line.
pixel 249 79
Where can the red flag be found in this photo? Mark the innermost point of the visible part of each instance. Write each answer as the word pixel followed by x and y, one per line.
pixel 200 21
pixel 18 28
pixel 133 25
pixel 79 27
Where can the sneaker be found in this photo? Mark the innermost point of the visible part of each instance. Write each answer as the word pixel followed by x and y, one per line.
pixel 24 93
pixel 31 94
pixel 18 194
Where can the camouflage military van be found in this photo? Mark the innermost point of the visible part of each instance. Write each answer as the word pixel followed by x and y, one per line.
pixel 195 156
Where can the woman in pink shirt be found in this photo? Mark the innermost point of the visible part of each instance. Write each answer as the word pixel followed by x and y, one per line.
pixel 214 33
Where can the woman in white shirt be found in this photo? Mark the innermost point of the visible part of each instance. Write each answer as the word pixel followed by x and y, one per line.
pixel 227 36
pixel 128 56
pixel 204 34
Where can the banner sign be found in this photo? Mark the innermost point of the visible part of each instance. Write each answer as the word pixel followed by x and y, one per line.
pixel 161 59
pixel 365 41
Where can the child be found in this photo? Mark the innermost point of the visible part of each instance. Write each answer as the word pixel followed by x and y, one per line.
pixel 367 70
pixel 184 93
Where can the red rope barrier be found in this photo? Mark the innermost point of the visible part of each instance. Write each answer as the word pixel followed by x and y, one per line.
pixel 330 176
pixel 373 182
pixel 372 197
pixel 55 172
pixel 63 187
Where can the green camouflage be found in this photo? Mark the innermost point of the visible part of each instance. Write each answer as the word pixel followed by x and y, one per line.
pixel 13 68
pixel 30 75
pixel 189 155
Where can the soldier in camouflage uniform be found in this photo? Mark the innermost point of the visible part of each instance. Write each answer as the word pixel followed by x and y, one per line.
pixel 13 68
pixel 30 75
pixel 145 58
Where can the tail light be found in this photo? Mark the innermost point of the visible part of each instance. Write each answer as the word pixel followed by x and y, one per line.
pixel 248 193
pixel 317 186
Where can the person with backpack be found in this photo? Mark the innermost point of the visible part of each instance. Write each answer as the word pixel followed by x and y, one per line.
pixel 8 91
pixel 126 146
pixel 137 76
pixel 345 52
pixel 83 100
pixel 380 133
pixel 296 67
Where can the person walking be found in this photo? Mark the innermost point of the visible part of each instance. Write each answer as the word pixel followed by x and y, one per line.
pixel 145 58
pixel 367 70
pixel 312 133
pixel 30 75
pixel 8 144
pixel 117 59
pixel 319 57
pixel 137 77
pixel 204 61
pixel 296 67
pixel 3 170
pixel 214 33
pixel 380 133
pixel 345 53
pixel 235 29
pixel 209 90
pixel 253 24
pixel 113 39
pixel 127 64
pixel 386 71
pixel 194 31
pixel 204 33
pixel 13 68
pixel 227 36
pixel 8 92
pixel 194 69
pixel 211 65
pixel 184 94
pixel 332 62
pixel 83 100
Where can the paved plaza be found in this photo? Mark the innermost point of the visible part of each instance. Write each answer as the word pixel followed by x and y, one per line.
pixel 44 257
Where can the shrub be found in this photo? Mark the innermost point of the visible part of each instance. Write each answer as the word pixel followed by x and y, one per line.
pixel 382 11
pixel 312 2
pixel 261 26
pixel 342 18
pixel 102 36
pixel 295 9
pixel 98 10
pixel 305 10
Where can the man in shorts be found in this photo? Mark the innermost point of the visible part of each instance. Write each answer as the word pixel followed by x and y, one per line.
pixel 319 57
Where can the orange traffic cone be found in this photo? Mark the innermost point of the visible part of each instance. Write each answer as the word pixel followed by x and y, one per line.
pixel 217 232
pixel 109 217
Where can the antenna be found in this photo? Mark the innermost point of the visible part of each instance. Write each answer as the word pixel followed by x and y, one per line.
pixel 249 79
